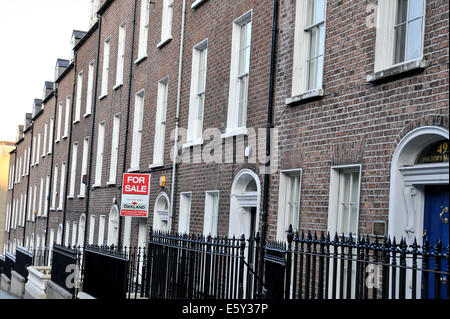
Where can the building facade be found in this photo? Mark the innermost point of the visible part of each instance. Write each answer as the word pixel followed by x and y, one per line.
pixel 355 94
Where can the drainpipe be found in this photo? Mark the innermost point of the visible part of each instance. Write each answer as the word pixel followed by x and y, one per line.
pixel 28 184
pixel 69 151
pixel 51 167
pixel 91 139
pixel 268 137
pixel 130 77
pixel 12 194
pixel 177 118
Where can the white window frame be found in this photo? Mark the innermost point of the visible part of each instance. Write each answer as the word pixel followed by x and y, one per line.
pixel 33 151
pixel 283 218
pixel 44 146
pixel 41 194
pixel 50 136
pixel 62 185
pixel 160 123
pixel 55 187
pixel 114 149
pixel 38 149
pixel 105 69
pixel 78 98
pixel 66 234
pixel 100 153
pixel 121 44
pixel 236 78
pixel 143 30
pixel 47 193
pixel 167 20
pixel 385 37
pixel 198 93
pixel 185 212
pixel 67 120
pixel 30 201
pixel 302 49
pixel 91 229
pixel 74 233
pixel 59 129
pixel 137 131
pixel 101 230
pixel 73 170
pixel 334 209
pixel 33 215
pixel 90 89
pixel 211 215
pixel 84 164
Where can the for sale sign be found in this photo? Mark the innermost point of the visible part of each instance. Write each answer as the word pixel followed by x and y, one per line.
pixel 135 195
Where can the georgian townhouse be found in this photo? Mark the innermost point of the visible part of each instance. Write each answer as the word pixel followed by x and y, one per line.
pixel 5 158
pixel 39 166
pixel 361 102
pixel 19 179
pixel 64 73
pixel 85 54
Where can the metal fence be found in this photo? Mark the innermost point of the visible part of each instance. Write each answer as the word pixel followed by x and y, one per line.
pixel 66 265
pixel 10 261
pixel 318 267
pixel 197 267
pixel 24 259
pixel 114 272
pixel 2 263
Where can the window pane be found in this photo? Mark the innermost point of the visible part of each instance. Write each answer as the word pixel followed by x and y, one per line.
pixel 400 42
pixel 415 9
pixel 243 93
pixel 414 39
pixel 320 11
pixel 402 11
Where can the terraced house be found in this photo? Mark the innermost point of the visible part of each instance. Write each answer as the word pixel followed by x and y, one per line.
pixel 250 117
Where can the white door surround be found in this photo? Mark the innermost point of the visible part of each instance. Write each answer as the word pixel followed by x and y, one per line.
pixel 113 226
pixel 406 195
pixel 245 194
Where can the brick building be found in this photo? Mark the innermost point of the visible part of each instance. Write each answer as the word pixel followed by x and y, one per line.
pixel 359 139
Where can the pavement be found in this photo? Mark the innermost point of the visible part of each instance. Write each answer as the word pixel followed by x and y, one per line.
pixel 4 295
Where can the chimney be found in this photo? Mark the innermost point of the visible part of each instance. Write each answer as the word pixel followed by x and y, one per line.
pixel 48 88
pixel 20 129
pixel 37 106
pixel 61 66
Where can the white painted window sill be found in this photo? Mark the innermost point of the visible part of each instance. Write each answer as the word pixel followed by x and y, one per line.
pixel 76 121
pixel 156 165
pixel 43 156
pixel 397 69
pixel 80 196
pixel 57 141
pixel 197 3
pixel 134 169
pixel 96 186
pixel 234 132
pixel 86 115
pixel 164 42
pixel 140 59
pixel 70 197
pixel 64 137
pixel 59 209
pixel 193 143
pixel 110 183
pixel 103 96
pixel 49 153
pixel 117 86
pixel 305 96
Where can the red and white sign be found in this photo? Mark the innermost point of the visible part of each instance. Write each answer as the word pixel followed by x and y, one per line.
pixel 135 195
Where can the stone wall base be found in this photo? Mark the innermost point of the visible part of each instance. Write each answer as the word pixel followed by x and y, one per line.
pixel 5 283
pixel 55 291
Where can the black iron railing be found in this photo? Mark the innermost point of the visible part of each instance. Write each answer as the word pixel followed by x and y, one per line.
pixel 66 268
pixel 318 267
pixel 198 267
pixel 2 263
pixel 24 259
pixel 10 261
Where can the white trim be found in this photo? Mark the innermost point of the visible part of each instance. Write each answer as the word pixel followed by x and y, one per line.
pixel 197 3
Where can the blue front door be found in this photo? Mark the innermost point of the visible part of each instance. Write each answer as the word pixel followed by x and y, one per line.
pixel 436 227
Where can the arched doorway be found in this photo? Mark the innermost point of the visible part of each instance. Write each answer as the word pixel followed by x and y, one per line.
pixel 244 219
pixel 161 212
pixel 113 226
pixel 419 189
pixel 244 204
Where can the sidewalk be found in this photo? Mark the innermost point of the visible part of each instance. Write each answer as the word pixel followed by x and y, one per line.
pixel 4 295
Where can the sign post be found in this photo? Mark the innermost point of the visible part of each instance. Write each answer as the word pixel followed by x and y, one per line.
pixel 135 195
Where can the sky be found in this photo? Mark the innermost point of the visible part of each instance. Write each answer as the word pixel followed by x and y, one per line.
pixel 34 34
